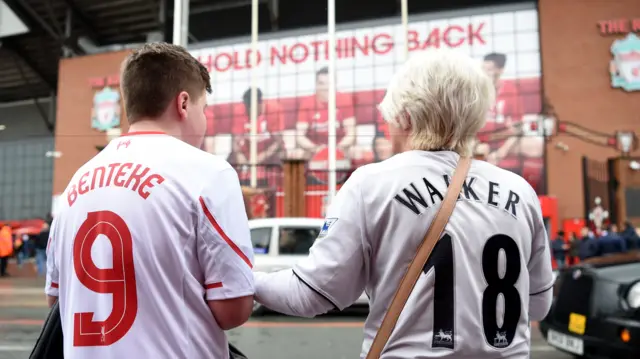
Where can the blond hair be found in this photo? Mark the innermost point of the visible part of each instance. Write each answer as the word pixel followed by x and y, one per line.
pixel 444 96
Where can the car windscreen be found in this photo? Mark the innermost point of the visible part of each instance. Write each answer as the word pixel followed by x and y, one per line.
pixel 297 239
pixel 260 239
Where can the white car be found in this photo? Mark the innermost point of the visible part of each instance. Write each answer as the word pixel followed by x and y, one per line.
pixel 278 243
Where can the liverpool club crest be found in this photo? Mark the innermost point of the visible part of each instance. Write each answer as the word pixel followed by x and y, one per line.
pixel 105 114
pixel 625 66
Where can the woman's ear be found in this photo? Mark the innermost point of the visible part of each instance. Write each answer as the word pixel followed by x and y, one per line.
pixel 404 120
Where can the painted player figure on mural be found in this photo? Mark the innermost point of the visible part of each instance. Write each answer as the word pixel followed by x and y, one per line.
pixel 300 89
pixel 312 129
pixel 313 118
pixel 510 138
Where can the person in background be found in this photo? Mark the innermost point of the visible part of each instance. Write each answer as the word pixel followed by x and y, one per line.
pixel 6 248
pixel 630 236
pixel 41 241
pixel 611 242
pixel 588 244
pixel 381 147
pixel 574 249
pixel 312 128
pixel 559 249
pixel 270 124
pixel 19 246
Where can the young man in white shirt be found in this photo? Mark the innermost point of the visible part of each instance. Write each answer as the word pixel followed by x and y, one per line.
pixel 150 254
pixel 489 274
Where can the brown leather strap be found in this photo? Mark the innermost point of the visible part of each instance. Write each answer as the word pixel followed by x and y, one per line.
pixel 424 251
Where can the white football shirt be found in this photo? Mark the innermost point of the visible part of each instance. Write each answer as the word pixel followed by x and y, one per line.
pixel 148 230
pixel 480 286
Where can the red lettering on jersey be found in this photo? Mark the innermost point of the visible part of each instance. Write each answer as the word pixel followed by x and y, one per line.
pixel 134 177
pixel 112 168
pixel 119 180
pixel 82 184
pixel 98 174
pixel 72 195
pixel 143 191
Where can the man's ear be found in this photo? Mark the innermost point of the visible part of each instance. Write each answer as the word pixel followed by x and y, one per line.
pixel 182 105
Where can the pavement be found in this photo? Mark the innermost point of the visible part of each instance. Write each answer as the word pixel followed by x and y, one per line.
pixel 23 308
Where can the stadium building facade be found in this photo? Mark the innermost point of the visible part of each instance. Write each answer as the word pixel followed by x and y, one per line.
pixel 566 96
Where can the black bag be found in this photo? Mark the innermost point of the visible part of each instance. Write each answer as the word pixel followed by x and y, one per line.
pixel 234 353
pixel 50 342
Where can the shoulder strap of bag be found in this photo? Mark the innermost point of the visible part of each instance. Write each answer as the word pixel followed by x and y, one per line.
pixel 424 251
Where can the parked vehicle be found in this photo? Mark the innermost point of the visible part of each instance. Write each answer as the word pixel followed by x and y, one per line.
pixel 278 243
pixel 596 308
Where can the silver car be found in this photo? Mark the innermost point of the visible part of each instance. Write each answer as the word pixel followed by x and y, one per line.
pixel 278 243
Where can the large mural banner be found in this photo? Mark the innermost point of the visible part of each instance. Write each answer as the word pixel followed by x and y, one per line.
pixel 293 91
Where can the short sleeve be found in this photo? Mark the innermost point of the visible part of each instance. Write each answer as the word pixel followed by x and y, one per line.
pixel 540 270
pixel 224 248
pixel 52 282
pixel 335 267
pixel 303 111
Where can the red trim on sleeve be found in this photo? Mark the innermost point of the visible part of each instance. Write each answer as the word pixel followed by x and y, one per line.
pixel 213 285
pixel 224 236
pixel 54 285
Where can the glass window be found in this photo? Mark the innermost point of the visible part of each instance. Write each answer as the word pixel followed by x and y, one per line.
pixel 297 240
pixel 25 178
pixel 260 239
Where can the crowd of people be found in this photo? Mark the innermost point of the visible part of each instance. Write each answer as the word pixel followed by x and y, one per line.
pixel 594 244
pixel 23 244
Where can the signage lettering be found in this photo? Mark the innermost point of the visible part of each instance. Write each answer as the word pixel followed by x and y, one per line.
pixel 100 82
pixel 619 26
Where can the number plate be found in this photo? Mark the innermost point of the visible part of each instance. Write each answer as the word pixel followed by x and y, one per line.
pixel 577 323
pixel 565 342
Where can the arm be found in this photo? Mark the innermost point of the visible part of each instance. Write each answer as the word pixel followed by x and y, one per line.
pixel 305 303
pixel 497 155
pixel 275 123
pixel 236 151
pixel 540 271
pixel 347 108
pixel 270 151
pixel 51 300
pixel 349 138
pixel 224 250
pixel 334 274
pixel 51 287
pixel 301 136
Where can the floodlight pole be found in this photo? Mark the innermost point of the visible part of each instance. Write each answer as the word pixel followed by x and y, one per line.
pixel 181 22
pixel 253 115
pixel 331 146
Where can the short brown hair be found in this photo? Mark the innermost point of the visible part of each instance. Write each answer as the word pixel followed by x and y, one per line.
pixel 156 73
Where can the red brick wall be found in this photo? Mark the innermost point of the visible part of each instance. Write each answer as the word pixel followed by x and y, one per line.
pixel 75 138
pixel 576 80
